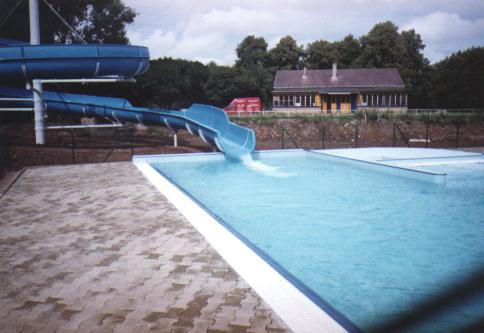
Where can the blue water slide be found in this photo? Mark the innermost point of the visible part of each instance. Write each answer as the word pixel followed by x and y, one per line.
pixel 100 61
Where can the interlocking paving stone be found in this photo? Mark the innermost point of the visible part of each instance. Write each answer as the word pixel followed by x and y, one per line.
pixel 96 248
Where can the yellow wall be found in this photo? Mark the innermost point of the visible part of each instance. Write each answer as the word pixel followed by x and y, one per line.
pixel 318 100
pixel 345 107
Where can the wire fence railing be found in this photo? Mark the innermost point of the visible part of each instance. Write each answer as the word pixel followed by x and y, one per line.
pixel 392 133
pixel 80 145
pixel 363 113
pixel 94 145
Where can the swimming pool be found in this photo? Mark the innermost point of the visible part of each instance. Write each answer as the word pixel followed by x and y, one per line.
pixel 365 245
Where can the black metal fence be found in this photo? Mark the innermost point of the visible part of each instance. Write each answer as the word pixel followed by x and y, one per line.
pixel 93 145
pixel 81 145
pixel 390 134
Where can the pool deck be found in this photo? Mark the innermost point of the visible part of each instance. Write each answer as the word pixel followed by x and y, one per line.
pixel 96 248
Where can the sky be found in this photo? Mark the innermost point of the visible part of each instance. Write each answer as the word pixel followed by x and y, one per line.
pixel 210 30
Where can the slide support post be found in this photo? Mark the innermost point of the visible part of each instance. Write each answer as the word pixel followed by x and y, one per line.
pixel 37 84
pixel 175 139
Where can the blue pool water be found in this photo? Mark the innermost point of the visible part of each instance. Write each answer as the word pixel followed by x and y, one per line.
pixel 370 244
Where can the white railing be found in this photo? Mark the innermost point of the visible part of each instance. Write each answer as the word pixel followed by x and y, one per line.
pixel 365 111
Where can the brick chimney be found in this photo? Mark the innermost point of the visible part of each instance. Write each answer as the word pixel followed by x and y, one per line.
pixel 334 73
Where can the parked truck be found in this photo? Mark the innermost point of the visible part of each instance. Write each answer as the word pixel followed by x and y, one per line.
pixel 244 104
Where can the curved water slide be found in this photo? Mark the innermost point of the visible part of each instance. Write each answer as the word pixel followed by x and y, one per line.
pixel 58 62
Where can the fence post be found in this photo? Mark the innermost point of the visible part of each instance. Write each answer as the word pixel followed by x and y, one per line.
pixel 356 136
pixel 72 148
pixel 323 136
pixel 457 135
pixel 7 143
pixel 427 135
pixel 393 141
pixel 282 138
pixel 132 142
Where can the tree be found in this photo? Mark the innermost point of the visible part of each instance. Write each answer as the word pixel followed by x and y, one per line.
pixel 414 68
pixel 253 78
pixel 347 51
pixel 321 54
pixel 97 21
pixel 251 51
pixel 385 47
pixel 458 80
pixel 285 55
pixel 221 86
pixel 171 83
pixel 381 47
pixel 225 83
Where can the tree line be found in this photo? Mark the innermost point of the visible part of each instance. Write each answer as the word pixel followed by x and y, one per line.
pixel 455 82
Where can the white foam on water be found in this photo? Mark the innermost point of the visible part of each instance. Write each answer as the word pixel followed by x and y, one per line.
pixel 265 169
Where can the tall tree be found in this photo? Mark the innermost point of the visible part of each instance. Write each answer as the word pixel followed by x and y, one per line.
pixel 285 55
pixel 347 51
pixel 458 81
pixel 97 21
pixel 252 51
pixel 171 83
pixel 381 47
pixel 414 68
pixel 222 84
pixel 321 54
pixel 385 47
pixel 253 77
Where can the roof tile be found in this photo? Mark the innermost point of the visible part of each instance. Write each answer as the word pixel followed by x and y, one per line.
pixel 346 78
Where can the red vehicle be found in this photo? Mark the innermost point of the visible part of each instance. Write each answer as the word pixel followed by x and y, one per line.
pixel 244 104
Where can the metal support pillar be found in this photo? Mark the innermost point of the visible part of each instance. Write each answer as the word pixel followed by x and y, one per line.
pixel 37 85
pixel 38 113
pixel 175 139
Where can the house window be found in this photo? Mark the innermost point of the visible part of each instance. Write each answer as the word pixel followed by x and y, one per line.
pixel 276 101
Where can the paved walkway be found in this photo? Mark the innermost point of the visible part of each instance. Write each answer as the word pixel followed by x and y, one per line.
pixel 95 248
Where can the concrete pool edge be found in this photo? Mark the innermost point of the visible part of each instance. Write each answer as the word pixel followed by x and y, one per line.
pixel 295 308
pixel 395 170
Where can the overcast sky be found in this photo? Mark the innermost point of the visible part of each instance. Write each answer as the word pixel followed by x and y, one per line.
pixel 208 30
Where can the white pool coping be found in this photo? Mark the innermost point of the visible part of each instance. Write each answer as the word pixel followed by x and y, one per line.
pixel 392 154
pixel 298 312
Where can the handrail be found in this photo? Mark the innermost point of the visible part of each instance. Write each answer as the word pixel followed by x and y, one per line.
pixel 284 130
pixel 395 126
